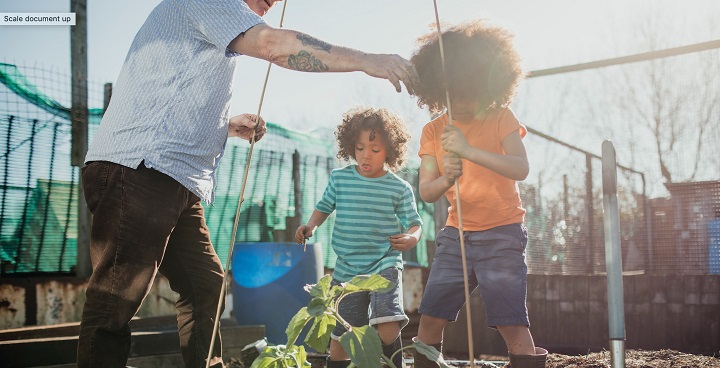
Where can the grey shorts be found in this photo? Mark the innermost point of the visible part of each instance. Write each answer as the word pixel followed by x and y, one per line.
pixel 373 308
pixel 495 263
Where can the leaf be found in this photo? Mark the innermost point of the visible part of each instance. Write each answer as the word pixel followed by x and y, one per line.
pixel 265 362
pixel 270 357
pixel 372 282
pixel 296 325
pixel 318 337
pixel 430 352
pixel 350 288
pixel 300 359
pixel 321 289
pixel 317 306
pixel 282 356
pixel 362 344
pixel 336 291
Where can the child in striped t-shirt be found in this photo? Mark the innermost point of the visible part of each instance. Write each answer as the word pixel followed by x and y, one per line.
pixel 376 219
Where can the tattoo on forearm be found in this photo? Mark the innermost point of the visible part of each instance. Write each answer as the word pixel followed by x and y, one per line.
pixel 305 62
pixel 313 42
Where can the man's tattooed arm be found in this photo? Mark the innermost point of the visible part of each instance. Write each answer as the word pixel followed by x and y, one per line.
pixel 306 62
pixel 313 42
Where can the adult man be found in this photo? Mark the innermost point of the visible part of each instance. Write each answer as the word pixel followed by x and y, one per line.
pixel 154 157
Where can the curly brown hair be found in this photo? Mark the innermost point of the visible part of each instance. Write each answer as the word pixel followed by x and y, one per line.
pixel 382 121
pixel 481 64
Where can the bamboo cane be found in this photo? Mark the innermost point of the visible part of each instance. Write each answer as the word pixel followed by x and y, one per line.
pixel 468 310
pixel 237 211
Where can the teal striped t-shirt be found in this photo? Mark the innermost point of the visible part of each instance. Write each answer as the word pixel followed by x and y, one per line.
pixel 367 212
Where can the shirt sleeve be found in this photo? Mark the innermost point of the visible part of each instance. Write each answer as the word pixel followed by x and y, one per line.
pixel 221 21
pixel 509 123
pixel 328 200
pixel 406 210
pixel 427 141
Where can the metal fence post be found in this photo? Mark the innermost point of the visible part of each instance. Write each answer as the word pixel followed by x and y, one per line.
pixel 79 120
pixel 613 257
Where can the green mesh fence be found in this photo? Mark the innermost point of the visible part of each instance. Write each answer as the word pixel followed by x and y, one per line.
pixel 15 81
pixel 39 187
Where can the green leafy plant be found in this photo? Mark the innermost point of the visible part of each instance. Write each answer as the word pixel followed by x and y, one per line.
pixel 361 343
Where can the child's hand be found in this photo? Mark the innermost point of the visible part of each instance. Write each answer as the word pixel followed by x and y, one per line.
pixel 303 233
pixel 402 242
pixel 453 140
pixel 452 167
pixel 243 126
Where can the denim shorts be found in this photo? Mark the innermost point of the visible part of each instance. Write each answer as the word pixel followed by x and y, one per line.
pixel 373 308
pixel 496 265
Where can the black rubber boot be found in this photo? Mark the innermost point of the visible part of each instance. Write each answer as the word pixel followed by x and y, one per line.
pixel 421 361
pixel 390 349
pixel 336 363
pixel 536 360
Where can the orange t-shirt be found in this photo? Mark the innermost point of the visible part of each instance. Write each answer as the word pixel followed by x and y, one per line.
pixel 487 199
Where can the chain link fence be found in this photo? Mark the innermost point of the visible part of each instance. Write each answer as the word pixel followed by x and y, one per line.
pixel 565 215
pixel 662 112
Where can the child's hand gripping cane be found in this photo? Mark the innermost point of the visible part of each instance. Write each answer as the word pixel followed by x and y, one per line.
pixel 303 233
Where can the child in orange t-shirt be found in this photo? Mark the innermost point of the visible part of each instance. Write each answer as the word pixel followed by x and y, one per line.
pixel 483 150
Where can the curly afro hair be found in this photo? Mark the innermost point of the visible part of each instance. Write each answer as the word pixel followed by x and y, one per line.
pixel 481 64
pixel 382 121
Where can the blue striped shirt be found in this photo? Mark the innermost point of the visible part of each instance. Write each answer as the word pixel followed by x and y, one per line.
pixel 368 211
pixel 170 104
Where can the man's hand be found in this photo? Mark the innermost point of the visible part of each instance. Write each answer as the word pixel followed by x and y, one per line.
pixel 393 68
pixel 244 125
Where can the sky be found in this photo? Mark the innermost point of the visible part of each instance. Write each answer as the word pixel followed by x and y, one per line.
pixel 548 33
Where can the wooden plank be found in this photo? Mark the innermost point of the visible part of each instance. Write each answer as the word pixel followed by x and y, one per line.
pixel 536 309
pixel 581 291
pixel 711 291
pixel 658 311
pixel 165 361
pixel 73 328
pixel 710 301
pixel 36 332
pixel 692 287
pixel 630 300
pixel 598 309
pixel 639 321
pixel 62 350
pixel 552 311
pixel 675 287
pixel 566 305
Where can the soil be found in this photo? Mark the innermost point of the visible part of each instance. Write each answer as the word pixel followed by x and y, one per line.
pixel 633 359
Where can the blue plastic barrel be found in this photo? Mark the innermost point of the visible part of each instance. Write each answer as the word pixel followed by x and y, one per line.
pixel 268 284
pixel 714 249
